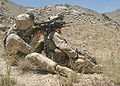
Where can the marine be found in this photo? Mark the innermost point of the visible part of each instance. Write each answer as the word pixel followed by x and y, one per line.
pixel 59 56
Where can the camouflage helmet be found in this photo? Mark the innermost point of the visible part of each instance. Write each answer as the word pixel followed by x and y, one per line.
pixel 24 21
pixel 58 17
pixel 25 16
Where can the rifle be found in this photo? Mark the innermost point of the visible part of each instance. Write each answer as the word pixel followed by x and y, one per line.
pixel 88 57
pixel 47 27
pixel 53 23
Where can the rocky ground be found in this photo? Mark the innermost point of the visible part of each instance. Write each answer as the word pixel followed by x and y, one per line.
pixel 87 30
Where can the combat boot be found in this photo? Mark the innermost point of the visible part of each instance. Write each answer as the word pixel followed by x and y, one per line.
pixel 64 71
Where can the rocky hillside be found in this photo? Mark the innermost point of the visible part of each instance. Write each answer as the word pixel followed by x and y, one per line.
pixel 74 13
pixel 8 11
pixel 115 15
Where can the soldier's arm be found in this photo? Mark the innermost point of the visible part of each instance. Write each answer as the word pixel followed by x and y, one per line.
pixel 61 43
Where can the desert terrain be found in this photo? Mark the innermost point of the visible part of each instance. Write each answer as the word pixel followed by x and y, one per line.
pixel 95 33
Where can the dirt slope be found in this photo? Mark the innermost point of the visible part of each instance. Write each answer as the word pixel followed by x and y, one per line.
pixel 97 39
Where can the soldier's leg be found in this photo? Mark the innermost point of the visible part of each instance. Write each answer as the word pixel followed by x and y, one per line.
pixel 14 44
pixel 77 64
pixel 84 66
pixel 47 64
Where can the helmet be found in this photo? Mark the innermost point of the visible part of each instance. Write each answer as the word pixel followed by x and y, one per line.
pixel 25 16
pixel 56 18
pixel 24 21
pixel 53 17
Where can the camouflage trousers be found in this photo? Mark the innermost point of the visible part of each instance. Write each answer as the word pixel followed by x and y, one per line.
pixel 72 66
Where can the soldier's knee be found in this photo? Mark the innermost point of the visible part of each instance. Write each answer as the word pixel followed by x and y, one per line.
pixel 11 39
pixel 33 56
pixel 10 45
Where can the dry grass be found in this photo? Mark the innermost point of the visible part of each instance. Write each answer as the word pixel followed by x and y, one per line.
pixel 70 81
pixel 6 80
pixel 25 66
pixel 112 70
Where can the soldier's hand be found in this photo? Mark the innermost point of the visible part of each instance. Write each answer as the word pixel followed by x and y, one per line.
pixel 38 35
pixel 81 57
pixel 34 27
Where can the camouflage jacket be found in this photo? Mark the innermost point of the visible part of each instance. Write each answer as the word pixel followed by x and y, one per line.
pixel 58 48
pixel 29 39
pixel 20 33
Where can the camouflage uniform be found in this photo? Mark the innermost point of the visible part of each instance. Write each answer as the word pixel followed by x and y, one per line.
pixel 60 56
pixel 17 43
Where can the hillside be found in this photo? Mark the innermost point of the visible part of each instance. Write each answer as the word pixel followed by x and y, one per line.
pixel 74 13
pixel 8 11
pixel 98 40
pixel 87 30
pixel 115 15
